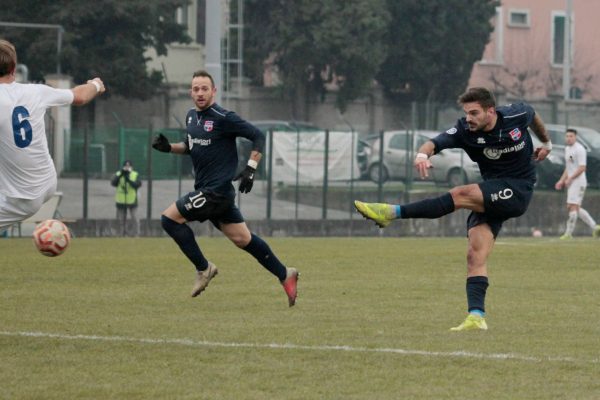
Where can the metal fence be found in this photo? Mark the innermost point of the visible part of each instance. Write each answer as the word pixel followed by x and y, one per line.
pixel 303 175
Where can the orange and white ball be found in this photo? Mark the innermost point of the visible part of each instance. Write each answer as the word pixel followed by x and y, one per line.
pixel 51 237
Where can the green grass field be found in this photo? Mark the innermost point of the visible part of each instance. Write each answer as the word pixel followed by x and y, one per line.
pixel 112 319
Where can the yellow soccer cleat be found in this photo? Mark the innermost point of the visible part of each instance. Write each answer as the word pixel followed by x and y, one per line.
pixel 596 232
pixel 471 323
pixel 381 213
pixel 566 237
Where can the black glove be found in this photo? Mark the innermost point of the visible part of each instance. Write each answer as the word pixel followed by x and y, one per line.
pixel 161 143
pixel 246 178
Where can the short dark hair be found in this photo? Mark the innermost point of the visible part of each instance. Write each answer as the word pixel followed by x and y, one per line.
pixel 8 57
pixel 572 130
pixel 479 95
pixel 204 74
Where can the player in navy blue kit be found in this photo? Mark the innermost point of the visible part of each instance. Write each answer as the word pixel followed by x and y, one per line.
pixel 211 142
pixel 499 141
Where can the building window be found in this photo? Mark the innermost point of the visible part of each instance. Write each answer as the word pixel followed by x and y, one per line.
pixel 201 22
pixel 181 16
pixel 558 39
pixel 518 18
pixel 559 26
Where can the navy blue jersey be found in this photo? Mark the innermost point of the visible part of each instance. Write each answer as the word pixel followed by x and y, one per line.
pixel 211 143
pixel 505 151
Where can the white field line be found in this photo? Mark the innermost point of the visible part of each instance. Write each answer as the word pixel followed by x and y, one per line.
pixel 291 346
pixel 544 241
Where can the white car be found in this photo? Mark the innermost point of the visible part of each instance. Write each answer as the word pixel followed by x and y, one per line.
pixel 450 166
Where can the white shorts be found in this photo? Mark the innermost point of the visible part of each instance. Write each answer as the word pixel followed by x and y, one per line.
pixel 575 193
pixel 13 210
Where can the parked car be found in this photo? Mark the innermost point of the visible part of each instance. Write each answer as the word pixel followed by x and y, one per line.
pixel 451 166
pixel 590 139
pixel 363 153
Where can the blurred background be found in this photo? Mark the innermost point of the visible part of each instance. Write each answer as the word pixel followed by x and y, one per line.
pixel 345 91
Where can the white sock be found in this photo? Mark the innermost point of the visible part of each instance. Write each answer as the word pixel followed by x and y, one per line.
pixel 587 218
pixel 571 223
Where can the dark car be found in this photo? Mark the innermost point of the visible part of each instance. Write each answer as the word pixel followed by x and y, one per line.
pixel 590 139
pixel 550 170
pixel 285 126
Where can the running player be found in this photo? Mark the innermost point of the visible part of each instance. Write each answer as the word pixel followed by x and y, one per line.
pixel 27 174
pixel 575 180
pixel 498 140
pixel 211 142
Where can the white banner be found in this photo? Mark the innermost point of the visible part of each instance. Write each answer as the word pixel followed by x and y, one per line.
pixel 304 153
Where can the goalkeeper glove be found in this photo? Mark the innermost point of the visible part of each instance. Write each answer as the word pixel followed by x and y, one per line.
pixel 246 178
pixel 161 143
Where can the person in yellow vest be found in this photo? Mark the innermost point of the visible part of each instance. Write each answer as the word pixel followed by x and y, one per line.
pixel 127 183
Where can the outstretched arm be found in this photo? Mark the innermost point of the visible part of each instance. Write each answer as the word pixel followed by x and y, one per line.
pixel 83 94
pixel 422 163
pixel 178 148
pixel 161 143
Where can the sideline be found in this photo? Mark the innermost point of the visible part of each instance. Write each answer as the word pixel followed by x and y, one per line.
pixel 291 346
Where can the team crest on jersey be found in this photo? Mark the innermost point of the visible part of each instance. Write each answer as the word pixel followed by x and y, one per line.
pixel 208 126
pixel 480 140
pixel 515 134
pixel 451 131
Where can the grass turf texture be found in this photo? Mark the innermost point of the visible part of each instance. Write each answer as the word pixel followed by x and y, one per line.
pixel 367 294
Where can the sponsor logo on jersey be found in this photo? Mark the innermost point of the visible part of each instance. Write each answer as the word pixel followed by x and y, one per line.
pixel 201 142
pixel 208 126
pixel 494 154
pixel 451 131
pixel 189 120
pixel 480 140
pixel 515 134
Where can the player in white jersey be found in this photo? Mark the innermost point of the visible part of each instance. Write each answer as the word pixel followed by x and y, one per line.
pixel 574 179
pixel 27 174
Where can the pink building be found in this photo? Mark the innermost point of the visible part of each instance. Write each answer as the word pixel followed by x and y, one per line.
pixel 525 57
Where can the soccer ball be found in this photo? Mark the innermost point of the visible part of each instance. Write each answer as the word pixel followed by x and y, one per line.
pixel 51 237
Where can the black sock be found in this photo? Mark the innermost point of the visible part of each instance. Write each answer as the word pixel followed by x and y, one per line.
pixel 262 252
pixel 184 237
pixel 428 208
pixel 476 288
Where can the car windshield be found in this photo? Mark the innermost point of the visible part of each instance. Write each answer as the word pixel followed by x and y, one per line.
pixel 284 126
pixel 590 136
pixel 424 137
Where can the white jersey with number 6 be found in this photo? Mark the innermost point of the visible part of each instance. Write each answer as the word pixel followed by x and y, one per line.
pixel 26 168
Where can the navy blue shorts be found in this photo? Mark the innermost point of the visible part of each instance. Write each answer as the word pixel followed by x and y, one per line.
pixel 201 206
pixel 502 199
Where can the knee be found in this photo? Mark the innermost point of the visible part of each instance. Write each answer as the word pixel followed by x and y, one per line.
pixel 458 193
pixel 168 225
pixel 474 258
pixel 241 240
